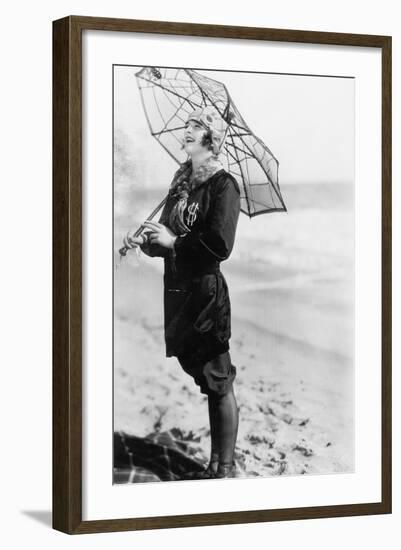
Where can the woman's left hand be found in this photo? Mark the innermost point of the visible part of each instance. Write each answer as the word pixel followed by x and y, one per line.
pixel 160 234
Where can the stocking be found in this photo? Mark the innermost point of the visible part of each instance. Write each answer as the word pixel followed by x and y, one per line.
pixel 223 414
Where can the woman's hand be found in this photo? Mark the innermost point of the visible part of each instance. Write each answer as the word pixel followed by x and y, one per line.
pixel 160 234
pixel 130 241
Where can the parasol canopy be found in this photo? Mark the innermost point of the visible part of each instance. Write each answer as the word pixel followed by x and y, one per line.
pixel 170 95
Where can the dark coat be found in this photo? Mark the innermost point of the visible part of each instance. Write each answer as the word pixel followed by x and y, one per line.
pixel 196 300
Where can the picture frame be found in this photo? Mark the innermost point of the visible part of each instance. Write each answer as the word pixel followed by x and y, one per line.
pixel 68 294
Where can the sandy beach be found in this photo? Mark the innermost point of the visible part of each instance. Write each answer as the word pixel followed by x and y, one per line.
pixel 295 380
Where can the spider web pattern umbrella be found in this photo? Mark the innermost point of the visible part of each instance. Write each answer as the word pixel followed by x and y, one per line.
pixel 170 95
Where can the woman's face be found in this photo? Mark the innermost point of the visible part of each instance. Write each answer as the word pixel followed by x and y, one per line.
pixel 193 134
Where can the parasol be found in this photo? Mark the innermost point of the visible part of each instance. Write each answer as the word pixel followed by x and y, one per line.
pixel 170 95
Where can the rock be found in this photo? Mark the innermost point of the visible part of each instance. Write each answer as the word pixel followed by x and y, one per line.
pixel 304 422
pixel 303 450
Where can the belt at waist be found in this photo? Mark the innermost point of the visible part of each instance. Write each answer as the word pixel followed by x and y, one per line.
pixel 184 278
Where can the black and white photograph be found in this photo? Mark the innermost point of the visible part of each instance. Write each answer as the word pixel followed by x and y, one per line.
pixel 233 274
pixel 199 336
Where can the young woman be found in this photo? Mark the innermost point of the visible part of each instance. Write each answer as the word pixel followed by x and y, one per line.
pixel 194 234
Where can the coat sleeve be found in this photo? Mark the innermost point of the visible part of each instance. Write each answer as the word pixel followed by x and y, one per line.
pixel 156 250
pixel 153 250
pixel 215 243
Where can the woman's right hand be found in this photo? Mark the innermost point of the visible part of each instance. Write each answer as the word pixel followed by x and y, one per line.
pixel 133 242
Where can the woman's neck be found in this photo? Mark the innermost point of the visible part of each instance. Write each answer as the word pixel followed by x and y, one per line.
pixel 200 159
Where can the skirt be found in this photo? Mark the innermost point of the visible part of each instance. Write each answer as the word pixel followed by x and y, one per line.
pixel 197 317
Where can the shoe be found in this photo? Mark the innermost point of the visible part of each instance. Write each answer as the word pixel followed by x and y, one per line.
pixel 208 473
pixel 225 471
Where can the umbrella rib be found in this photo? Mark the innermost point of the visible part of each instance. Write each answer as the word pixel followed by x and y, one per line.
pixel 145 111
pixel 185 99
pixel 261 204
pixel 232 164
pixel 230 154
pixel 167 130
pixel 157 106
pixel 194 91
pixel 247 134
pixel 271 196
pixel 152 87
pixel 203 96
pixel 166 95
pixel 246 130
pixel 186 85
pixel 246 164
pixel 265 148
pixel 176 112
pixel 250 185
pixel 267 211
pixel 258 184
pixel 153 84
pixel 263 145
pixel 164 122
pixel 242 150
pixel 203 92
pixel 270 180
pixel 277 190
pixel 151 131
pixel 243 180
pixel 228 106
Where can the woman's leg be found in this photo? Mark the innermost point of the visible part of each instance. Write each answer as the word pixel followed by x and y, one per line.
pixel 214 436
pixel 211 469
pixel 223 415
pixel 223 412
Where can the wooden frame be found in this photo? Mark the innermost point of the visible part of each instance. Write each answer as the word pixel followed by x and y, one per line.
pixel 67 280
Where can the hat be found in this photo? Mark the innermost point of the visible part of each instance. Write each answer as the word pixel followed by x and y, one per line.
pixel 211 119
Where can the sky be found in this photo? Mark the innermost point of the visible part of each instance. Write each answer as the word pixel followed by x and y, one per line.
pixel 306 121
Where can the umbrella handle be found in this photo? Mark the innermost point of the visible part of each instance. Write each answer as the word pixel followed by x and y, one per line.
pixel 123 251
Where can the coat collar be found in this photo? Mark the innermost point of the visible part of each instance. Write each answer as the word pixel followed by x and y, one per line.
pixel 205 171
pixel 186 177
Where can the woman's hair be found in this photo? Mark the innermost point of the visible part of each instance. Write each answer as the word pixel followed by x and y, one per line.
pixel 207 140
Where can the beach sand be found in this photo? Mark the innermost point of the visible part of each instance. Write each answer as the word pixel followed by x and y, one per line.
pixel 295 378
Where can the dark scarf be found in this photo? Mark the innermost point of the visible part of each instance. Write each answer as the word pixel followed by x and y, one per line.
pixel 184 182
